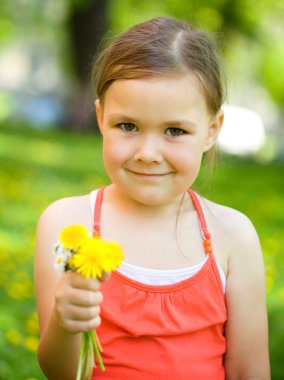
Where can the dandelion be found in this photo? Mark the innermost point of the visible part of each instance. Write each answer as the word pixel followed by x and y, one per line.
pixel 95 257
pixel 89 256
pixel 73 236
pixel 14 337
pixel 113 257
pixel 31 343
pixel 32 324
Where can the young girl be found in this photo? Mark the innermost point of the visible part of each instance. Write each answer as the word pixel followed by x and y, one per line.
pixel 189 300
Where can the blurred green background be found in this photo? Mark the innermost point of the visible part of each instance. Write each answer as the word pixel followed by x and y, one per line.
pixel 49 147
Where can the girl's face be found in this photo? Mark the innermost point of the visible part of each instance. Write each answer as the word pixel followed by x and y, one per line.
pixel 155 131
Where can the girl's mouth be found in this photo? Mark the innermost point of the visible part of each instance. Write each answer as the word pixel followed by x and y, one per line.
pixel 148 174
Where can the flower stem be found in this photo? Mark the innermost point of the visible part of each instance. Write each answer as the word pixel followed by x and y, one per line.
pixel 96 346
pixel 81 358
pixel 86 355
pixel 98 341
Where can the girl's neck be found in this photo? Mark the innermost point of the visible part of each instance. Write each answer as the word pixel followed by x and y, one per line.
pixel 126 204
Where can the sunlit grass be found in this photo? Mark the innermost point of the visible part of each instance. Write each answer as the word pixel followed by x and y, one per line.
pixel 38 167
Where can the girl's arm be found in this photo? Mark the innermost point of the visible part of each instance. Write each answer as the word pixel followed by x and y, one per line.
pixel 68 304
pixel 247 328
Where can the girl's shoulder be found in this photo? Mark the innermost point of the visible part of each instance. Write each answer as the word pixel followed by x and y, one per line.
pixel 234 236
pixel 66 211
pixel 226 218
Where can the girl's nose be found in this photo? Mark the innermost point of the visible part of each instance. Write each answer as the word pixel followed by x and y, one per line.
pixel 148 150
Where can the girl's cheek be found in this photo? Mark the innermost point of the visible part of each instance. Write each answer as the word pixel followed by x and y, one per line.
pixel 115 153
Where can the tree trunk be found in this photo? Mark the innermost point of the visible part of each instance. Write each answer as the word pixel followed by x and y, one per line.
pixel 87 25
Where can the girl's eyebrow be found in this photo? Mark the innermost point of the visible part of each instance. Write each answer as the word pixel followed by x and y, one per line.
pixel 182 123
pixel 122 117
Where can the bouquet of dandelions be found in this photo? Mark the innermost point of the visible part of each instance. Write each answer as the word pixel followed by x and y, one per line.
pixel 90 256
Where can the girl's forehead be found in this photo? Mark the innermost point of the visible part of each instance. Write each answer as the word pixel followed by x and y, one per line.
pixel 180 91
pixel 156 99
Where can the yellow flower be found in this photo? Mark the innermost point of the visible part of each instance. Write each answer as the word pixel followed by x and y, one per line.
pixel 73 236
pixel 31 343
pixel 113 256
pixel 14 337
pixel 96 256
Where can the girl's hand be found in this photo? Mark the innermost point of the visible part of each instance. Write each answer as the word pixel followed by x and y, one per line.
pixel 77 302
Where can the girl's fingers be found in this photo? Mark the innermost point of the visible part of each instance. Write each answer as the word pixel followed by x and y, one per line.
pixel 77 313
pixel 75 327
pixel 79 318
pixel 78 297
pixel 77 303
pixel 76 280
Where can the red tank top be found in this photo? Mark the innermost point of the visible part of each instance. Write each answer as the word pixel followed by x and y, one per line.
pixel 165 332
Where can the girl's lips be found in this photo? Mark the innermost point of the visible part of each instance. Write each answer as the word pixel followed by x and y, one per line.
pixel 149 175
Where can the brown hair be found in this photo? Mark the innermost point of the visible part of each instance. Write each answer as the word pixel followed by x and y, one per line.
pixel 160 47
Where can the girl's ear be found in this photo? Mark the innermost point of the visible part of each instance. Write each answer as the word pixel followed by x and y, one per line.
pixel 99 114
pixel 214 130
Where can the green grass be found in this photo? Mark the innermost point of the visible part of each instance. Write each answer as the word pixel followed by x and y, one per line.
pixel 38 167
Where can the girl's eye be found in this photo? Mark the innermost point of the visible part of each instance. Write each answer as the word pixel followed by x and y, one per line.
pixel 175 132
pixel 127 127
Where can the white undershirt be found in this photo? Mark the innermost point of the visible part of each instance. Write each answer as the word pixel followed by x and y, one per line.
pixel 165 276
pixel 159 276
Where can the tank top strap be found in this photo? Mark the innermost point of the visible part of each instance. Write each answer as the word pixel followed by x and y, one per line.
pixel 97 212
pixel 203 225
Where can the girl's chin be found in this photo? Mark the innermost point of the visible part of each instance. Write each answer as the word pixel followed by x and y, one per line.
pixel 150 196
